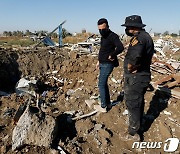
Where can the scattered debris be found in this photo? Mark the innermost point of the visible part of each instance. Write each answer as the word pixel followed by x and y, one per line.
pixel 68 91
pixel 125 112
pixel 85 115
pixel 26 86
pixel 167 113
pixel 47 41
pixel 33 128
pixel 90 102
pixel 97 127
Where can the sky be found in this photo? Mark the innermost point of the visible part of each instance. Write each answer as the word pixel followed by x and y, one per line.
pixel 34 15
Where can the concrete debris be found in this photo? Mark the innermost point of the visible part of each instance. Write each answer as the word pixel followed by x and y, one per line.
pixel 61 151
pixel 70 92
pixel 125 112
pixel 97 127
pixel 33 129
pixel 174 64
pixel 163 46
pixel 26 86
pixel 70 112
pixel 90 102
pixel 61 81
pixel 94 97
pixel 69 89
pixel 114 80
pixel 89 46
pixel 167 113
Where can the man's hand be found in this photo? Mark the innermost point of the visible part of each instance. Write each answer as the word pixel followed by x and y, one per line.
pixel 110 58
pixel 132 68
pixel 97 65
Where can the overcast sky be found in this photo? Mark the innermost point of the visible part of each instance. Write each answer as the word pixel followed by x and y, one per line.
pixel 160 15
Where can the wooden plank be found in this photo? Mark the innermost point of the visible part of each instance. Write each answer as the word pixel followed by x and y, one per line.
pixel 173 93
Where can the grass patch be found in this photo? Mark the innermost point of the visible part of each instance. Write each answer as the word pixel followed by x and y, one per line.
pixel 10 41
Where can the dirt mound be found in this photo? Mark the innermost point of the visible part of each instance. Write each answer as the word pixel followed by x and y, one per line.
pixel 9 72
pixel 69 80
pixel 39 62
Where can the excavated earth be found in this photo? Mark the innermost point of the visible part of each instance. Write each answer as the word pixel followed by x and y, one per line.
pixel 69 79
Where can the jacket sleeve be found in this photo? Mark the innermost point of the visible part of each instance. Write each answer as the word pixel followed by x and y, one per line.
pixel 118 46
pixel 136 49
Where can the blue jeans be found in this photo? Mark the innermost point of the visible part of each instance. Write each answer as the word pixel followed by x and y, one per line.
pixel 105 71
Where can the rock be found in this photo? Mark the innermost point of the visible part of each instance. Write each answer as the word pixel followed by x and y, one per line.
pixel 125 112
pixel 33 129
pixel 70 92
pixel 97 127
pixel 61 151
pixel 89 102
pixel 167 113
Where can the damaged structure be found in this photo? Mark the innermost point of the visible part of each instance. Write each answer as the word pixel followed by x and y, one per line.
pixel 55 91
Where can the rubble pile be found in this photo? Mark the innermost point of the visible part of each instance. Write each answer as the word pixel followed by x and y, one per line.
pixel 62 85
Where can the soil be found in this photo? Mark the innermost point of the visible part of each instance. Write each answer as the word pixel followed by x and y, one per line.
pixel 100 133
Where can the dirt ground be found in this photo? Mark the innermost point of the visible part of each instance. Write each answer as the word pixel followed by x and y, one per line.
pixel 100 133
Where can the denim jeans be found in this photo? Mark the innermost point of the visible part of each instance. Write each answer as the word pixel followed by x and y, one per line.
pixel 105 71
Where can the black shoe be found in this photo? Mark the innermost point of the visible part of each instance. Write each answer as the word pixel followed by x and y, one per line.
pixel 109 107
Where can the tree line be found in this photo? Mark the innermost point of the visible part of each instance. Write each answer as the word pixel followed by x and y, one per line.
pixel 167 33
pixel 28 33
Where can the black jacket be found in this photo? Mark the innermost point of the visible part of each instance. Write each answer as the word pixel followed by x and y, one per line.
pixel 111 45
pixel 140 52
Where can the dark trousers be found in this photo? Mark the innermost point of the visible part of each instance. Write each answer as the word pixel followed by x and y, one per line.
pixel 105 71
pixel 134 90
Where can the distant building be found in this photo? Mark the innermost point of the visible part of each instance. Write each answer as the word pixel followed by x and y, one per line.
pixel 74 34
pixel 152 34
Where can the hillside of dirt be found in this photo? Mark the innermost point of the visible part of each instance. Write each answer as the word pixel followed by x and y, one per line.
pixel 68 80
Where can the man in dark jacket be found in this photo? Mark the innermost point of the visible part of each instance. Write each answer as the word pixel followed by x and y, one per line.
pixel 111 46
pixel 136 72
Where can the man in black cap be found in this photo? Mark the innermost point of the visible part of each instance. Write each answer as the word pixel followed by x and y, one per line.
pixel 137 73
pixel 111 46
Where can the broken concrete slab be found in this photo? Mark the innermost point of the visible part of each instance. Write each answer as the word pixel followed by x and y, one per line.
pixel 97 127
pixel 89 102
pixel 25 86
pixel 33 129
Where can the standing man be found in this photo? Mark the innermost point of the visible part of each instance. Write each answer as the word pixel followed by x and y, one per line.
pixel 111 46
pixel 136 72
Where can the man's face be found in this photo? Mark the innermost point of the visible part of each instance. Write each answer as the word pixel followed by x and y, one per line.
pixel 130 29
pixel 103 30
pixel 102 26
